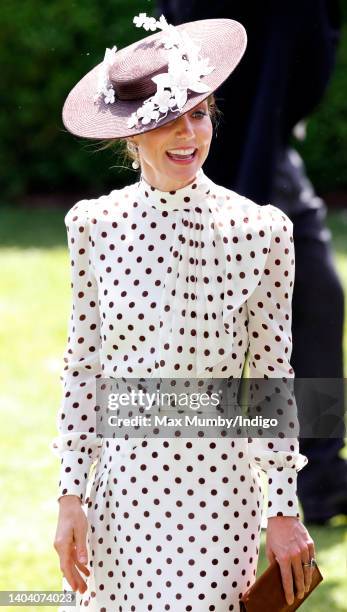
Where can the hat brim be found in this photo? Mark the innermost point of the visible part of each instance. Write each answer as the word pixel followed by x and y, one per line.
pixel 223 41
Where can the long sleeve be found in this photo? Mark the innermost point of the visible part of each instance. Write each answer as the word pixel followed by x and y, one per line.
pixel 77 444
pixel 270 347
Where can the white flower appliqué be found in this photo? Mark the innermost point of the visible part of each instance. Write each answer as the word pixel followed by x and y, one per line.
pixel 104 86
pixel 185 69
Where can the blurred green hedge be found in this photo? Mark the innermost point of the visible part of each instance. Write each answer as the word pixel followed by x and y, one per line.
pixel 47 47
pixel 325 147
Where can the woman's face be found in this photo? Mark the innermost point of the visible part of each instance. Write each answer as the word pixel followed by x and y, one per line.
pixel 171 155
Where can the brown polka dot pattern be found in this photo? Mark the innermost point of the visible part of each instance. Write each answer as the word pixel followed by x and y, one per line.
pixel 174 284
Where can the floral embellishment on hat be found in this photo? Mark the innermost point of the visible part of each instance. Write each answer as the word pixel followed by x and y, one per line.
pixel 185 69
pixel 149 23
pixel 104 85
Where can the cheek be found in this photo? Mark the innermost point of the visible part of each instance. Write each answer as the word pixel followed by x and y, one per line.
pixel 149 149
pixel 206 136
pixel 156 148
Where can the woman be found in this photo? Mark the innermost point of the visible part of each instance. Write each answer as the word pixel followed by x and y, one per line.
pixel 172 276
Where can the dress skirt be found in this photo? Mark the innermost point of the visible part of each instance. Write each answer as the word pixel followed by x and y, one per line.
pixel 174 524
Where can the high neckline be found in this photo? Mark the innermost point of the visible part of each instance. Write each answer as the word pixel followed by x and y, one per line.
pixel 179 199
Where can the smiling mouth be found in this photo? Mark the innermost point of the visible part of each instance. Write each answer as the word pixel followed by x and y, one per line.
pixel 180 155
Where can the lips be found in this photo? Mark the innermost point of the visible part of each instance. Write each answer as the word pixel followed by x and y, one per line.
pixel 182 155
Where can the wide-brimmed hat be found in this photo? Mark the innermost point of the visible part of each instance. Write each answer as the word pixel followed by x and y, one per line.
pixel 154 80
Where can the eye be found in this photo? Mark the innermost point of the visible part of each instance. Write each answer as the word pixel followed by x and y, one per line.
pixel 200 113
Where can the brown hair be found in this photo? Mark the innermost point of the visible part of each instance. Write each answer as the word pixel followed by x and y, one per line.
pixel 121 145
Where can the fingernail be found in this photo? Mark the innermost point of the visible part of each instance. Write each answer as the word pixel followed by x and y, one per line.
pixel 83 559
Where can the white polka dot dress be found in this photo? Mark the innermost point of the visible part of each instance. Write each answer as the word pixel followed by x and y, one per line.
pixel 180 284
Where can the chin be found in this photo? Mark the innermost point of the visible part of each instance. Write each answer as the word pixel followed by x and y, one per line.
pixel 188 170
pixel 185 175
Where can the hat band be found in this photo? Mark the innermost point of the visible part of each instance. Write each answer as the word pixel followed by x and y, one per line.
pixel 136 88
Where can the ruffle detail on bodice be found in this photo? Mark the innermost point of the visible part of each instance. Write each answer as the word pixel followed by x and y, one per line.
pixel 219 249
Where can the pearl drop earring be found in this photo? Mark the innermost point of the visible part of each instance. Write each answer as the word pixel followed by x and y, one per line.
pixel 134 149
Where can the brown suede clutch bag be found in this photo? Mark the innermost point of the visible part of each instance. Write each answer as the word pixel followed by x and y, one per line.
pixel 267 592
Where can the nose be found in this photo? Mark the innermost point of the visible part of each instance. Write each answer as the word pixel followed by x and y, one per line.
pixel 184 127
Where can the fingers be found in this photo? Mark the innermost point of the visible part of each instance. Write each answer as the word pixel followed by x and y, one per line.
pixel 72 575
pixel 63 544
pixel 311 550
pixel 80 584
pixel 308 571
pixel 292 546
pixel 70 544
pixel 68 564
pixel 67 573
pixel 80 535
pixel 83 568
pixel 299 574
pixel 287 579
pixel 80 566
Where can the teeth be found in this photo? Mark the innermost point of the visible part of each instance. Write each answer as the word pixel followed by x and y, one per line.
pixel 181 151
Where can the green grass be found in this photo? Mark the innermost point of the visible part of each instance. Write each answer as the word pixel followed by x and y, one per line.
pixel 35 303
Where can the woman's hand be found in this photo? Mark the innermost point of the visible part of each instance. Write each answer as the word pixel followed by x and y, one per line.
pixel 70 541
pixel 289 543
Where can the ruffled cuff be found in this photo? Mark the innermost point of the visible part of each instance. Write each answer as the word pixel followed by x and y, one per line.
pixel 74 471
pixel 282 495
pixel 281 468
pixel 77 451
